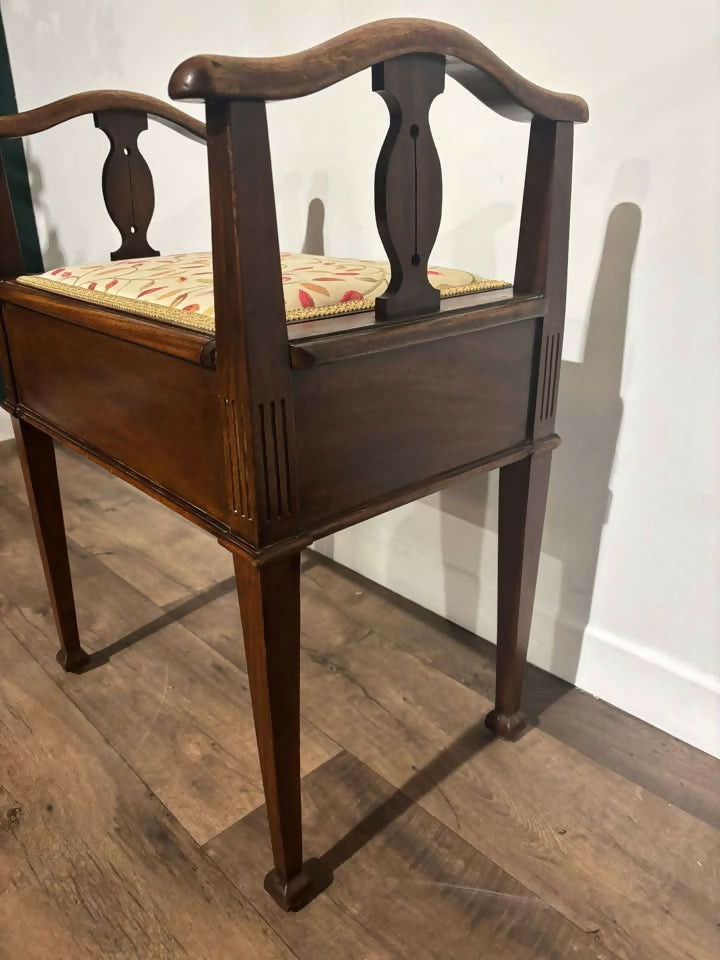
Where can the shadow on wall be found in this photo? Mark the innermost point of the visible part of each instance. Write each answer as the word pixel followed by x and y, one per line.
pixel 589 420
pixel 480 235
pixel 52 253
pixel 589 417
pixel 314 242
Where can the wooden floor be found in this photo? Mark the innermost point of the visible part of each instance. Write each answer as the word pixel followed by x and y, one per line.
pixel 131 819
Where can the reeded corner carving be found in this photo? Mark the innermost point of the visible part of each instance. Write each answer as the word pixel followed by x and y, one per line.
pixel 236 460
pixel 275 466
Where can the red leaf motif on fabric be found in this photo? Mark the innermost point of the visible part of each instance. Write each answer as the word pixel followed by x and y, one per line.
pixel 191 307
pixel 305 299
pixel 56 272
pixel 435 273
pixel 316 288
pixel 91 286
pixel 110 284
pixel 66 273
pixel 144 293
pixel 351 295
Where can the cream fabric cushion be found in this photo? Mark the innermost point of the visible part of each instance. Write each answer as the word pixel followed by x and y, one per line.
pixel 179 288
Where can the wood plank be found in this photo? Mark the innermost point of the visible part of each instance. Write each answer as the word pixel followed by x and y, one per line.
pixel 214 619
pixel 91 864
pixel 404 884
pixel 152 413
pixel 177 711
pixel 675 771
pixel 605 853
pixel 382 394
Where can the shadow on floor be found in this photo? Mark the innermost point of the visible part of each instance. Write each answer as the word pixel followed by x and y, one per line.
pixel 590 415
pixel 172 614
pixel 589 420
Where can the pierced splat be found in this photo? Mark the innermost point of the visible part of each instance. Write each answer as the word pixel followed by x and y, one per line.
pixel 408 182
pixel 127 182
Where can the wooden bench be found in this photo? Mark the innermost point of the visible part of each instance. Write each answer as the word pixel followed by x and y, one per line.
pixel 270 434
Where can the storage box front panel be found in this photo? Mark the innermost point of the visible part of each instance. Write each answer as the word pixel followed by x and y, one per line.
pixel 412 413
pixel 152 412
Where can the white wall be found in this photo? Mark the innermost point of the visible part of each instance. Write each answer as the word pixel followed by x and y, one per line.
pixel 627 600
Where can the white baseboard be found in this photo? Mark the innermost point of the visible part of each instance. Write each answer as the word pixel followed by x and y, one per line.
pixel 661 690
pixel 5 426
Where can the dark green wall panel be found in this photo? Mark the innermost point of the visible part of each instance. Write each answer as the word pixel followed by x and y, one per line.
pixel 16 167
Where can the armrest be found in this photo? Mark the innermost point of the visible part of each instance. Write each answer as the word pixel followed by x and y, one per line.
pixel 469 62
pixel 94 101
pixel 127 182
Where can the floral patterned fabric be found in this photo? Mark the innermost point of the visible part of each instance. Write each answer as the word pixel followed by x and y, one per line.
pixel 179 288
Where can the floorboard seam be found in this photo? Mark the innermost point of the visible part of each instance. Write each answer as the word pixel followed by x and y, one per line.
pixel 176 824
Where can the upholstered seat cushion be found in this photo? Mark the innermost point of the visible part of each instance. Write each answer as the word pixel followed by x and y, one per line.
pixel 179 288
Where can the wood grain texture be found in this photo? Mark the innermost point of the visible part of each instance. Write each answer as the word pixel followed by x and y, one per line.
pixel 683 776
pixel 7 376
pixel 26 123
pixel 577 835
pixel 179 713
pixel 588 811
pixel 154 334
pixel 281 78
pixel 521 516
pixel 408 412
pixel 311 331
pixel 542 253
pixel 91 863
pixel 151 412
pixel 36 453
pixel 253 369
pixel 269 598
pixel 454 319
pixel 405 885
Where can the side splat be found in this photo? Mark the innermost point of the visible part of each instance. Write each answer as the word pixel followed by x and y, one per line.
pixel 127 182
pixel 408 182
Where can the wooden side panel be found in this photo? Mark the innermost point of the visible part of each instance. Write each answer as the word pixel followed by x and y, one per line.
pixel 7 380
pixel 370 425
pixel 154 413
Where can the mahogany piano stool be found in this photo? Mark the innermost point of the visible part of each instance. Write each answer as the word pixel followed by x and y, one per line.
pixel 270 427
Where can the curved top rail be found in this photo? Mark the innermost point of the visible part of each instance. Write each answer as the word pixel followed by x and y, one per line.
pixel 470 62
pixel 79 104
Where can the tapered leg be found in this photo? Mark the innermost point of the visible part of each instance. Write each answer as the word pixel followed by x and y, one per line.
pixel 37 458
pixel 523 495
pixel 270 608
